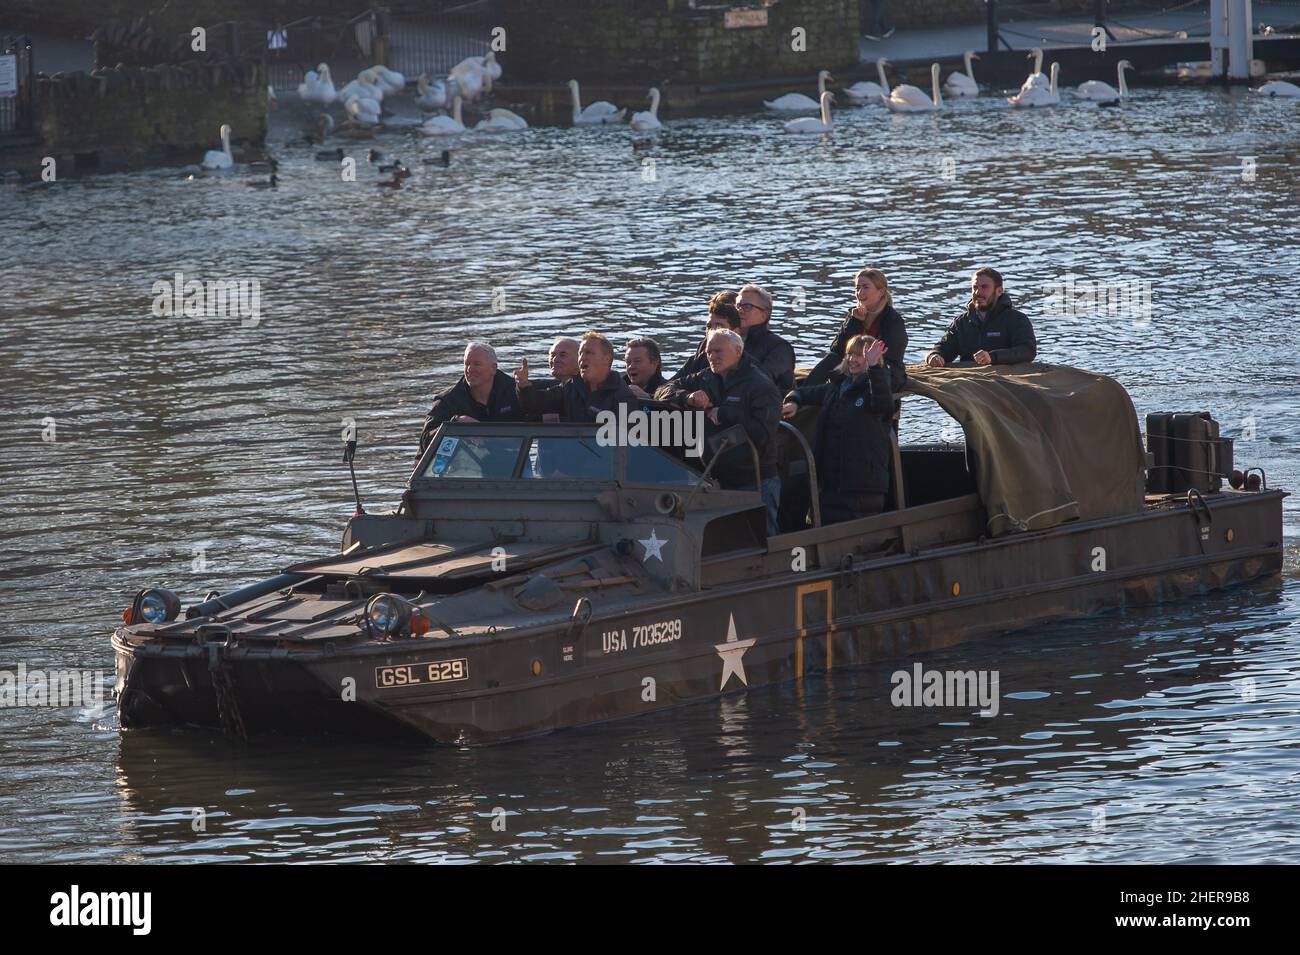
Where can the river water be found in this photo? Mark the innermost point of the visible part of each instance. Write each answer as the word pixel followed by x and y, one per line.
pixel 201 453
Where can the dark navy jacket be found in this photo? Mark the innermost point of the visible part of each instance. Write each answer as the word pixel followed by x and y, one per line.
pixel 502 405
pixel 1006 334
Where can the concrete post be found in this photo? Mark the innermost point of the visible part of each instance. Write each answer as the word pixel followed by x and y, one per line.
pixel 1218 37
pixel 1241 41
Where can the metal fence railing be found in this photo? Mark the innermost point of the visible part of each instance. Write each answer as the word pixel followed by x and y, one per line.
pixel 17 78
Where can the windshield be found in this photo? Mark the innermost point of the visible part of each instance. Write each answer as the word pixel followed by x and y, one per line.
pixel 569 459
pixel 647 465
pixel 473 456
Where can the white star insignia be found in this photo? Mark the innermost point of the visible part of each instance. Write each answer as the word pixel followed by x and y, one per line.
pixel 653 545
pixel 732 653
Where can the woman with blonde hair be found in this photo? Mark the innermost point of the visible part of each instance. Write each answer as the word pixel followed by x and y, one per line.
pixel 853 446
pixel 873 314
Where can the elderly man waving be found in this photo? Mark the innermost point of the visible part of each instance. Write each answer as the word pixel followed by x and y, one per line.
pixel 736 391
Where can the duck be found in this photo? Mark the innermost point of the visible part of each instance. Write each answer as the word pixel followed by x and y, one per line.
pixel 390 167
pixel 445 125
pixel 1036 77
pixel 598 113
pixel 442 159
pixel 909 99
pixel 374 155
pixel 394 183
pixel 317 133
pixel 317 86
pixel 963 84
pixel 271 183
pixel 812 124
pixel 501 121
pixel 330 155
pixel 1100 92
pixel 1278 88
pixel 864 90
pixel 1037 95
pixel 219 158
pixel 798 102
pixel 647 120
pixel 430 96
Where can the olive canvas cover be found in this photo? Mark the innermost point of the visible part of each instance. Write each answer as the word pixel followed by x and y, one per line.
pixel 1050 443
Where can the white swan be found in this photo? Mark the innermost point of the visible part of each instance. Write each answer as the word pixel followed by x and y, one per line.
pixel 390 80
pixel 1036 77
pixel 864 90
pixel 1100 92
pixel 363 110
pixel 317 86
pixel 797 102
pixel 451 125
pixel 469 83
pixel 219 158
pixel 492 66
pixel 596 113
pixel 1278 88
pixel 501 121
pixel 909 99
pixel 1037 95
pixel 646 120
pixel 366 85
pixel 812 124
pixel 963 84
pixel 430 96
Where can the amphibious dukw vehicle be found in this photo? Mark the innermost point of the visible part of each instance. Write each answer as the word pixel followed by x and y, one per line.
pixel 534 577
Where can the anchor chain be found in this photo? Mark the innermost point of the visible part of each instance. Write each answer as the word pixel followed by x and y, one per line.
pixel 223 685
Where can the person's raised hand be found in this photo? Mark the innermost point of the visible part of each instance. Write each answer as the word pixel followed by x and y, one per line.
pixel 521 374
pixel 875 353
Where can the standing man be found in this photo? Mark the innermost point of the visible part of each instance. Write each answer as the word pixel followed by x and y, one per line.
pixel 483 394
pixel 735 391
pixel 597 387
pixel 990 331
pixel 770 352
pixel 644 373
pixel 722 314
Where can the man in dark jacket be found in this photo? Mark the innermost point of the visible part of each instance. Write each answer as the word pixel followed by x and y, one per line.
pixel 644 373
pixel 722 314
pixel 597 388
pixel 990 331
pixel 735 391
pixel 769 351
pixel 563 362
pixel 483 394
pixel 853 446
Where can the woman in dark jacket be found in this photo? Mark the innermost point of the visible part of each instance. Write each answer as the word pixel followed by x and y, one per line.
pixel 852 448
pixel 874 315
